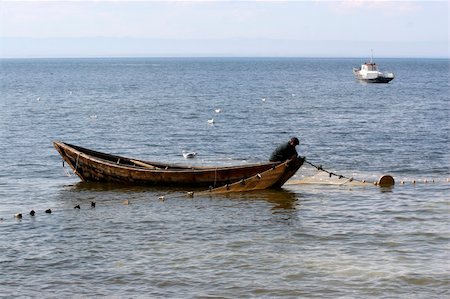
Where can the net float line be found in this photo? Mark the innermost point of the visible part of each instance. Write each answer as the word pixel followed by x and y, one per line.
pixel 384 181
pixel 423 181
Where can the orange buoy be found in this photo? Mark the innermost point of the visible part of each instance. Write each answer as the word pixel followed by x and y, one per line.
pixel 386 181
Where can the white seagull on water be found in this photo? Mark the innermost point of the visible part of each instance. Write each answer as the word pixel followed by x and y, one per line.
pixel 189 155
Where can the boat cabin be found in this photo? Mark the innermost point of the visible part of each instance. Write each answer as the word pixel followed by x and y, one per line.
pixel 370 66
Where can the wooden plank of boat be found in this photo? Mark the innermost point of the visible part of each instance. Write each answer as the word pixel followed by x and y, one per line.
pixel 272 178
pixel 140 163
pixel 96 166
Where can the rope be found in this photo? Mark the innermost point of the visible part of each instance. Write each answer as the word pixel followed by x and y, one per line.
pixel 65 170
pixel 330 174
pixel 76 164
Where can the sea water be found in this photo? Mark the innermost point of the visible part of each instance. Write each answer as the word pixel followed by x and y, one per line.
pixel 314 240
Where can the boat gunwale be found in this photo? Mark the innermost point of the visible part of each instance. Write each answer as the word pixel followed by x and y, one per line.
pixel 172 167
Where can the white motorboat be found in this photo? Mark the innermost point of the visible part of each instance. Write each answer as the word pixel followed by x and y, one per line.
pixel 369 72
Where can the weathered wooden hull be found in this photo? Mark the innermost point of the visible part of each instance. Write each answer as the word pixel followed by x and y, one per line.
pixel 271 178
pixel 95 166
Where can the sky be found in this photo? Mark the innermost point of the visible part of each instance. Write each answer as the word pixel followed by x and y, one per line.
pixel 256 28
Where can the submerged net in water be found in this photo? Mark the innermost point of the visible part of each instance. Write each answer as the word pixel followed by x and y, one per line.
pixel 313 174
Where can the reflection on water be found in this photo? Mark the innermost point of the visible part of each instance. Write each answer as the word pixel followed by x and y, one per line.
pixel 120 188
pixel 280 198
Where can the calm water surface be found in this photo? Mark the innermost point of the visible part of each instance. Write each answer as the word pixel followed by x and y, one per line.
pixel 306 240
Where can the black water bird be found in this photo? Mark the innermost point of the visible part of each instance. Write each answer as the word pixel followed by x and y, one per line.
pixel 77 207
pixel 48 211
pixel 32 212
pixel 93 204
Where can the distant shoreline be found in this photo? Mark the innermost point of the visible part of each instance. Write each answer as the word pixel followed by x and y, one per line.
pixel 109 47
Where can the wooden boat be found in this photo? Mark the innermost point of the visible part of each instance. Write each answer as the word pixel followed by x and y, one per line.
pixel 95 166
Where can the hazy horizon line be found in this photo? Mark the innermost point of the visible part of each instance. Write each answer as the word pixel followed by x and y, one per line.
pixel 98 47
